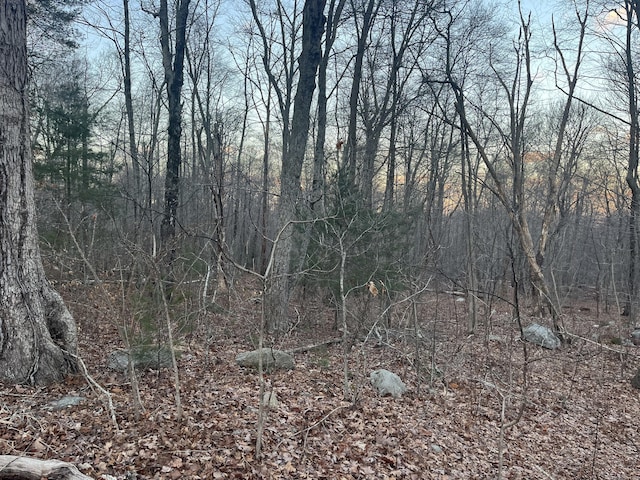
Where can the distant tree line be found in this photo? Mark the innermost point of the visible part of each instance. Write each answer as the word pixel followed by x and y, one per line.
pixel 490 150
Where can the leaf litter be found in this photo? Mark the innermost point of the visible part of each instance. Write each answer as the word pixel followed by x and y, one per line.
pixel 581 418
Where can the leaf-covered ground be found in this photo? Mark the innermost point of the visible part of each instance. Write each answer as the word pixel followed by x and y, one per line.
pixel 570 413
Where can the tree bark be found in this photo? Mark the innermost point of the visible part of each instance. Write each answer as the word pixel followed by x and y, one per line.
pixel 128 101
pixel 633 182
pixel 313 22
pixel 350 151
pixel 37 332
pixel 173 73
pixel 319 162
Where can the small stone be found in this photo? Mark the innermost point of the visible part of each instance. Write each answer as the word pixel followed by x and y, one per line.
pixel 270 400
pixel 436 448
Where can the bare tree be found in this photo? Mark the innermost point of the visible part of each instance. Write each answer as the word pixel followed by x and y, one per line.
pixel 208 130
pixel 126 76
pixel 517 92
pixel 294 148
pixel 363 26
pixel 173 63
pixel 631 12
pixel 334 14
pixel 555 180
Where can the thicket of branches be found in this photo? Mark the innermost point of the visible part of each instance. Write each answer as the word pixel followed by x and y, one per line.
pixel 447 140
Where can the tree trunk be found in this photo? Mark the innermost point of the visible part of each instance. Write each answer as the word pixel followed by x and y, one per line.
pixel 468 174
pixel 350 154
pixel 632 170
pixel 128 101
pixel 173 73
pixel 319 162
pixel 37 333
pixel 280 282
pixel 264 196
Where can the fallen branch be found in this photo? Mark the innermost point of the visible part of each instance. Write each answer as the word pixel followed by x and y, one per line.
pixel 306 348
pixel 95 384
pixel 627 352
pixel 28 468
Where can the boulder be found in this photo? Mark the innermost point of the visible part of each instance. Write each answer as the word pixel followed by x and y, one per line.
pixel 635 381
pixel 542 336
pixel 271 359
pixel 387 383
pixel 635 336
pixel 145 356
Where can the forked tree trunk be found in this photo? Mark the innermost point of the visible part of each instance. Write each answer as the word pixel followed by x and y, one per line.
pixel 37 333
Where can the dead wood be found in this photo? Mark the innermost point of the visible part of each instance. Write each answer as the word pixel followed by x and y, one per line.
pixel 306 348
pixel 27 468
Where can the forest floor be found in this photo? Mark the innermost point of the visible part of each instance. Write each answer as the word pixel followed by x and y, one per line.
pixel 474 409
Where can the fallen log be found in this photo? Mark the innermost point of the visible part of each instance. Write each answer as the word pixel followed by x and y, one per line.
pixel 306 348
pixel 27 468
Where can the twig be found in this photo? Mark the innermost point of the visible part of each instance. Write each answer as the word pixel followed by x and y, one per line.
pixel 544 473
pixel 601 345
pixel 174 363
pixel 312 426
pixel 95 384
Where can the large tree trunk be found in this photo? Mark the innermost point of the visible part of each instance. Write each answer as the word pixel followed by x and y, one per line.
pixel 632 169
pixel 280 284
pixel 37 333
pixel 173 73
pixel 334 15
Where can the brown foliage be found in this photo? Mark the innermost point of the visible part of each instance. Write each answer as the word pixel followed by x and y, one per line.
pixel 580 420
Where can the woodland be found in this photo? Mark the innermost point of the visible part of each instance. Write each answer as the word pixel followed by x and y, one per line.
pixel 364 184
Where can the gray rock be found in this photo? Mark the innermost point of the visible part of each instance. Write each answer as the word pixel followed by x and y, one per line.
pixel 635 336
pixel 270 400
pixel 155 357
pixel 387 383
pixel 497 338
pixel 635 381
pixel 271 359
pixel 542 336
pixel 64 402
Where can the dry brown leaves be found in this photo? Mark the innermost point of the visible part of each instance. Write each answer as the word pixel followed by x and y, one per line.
pixel 581 418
